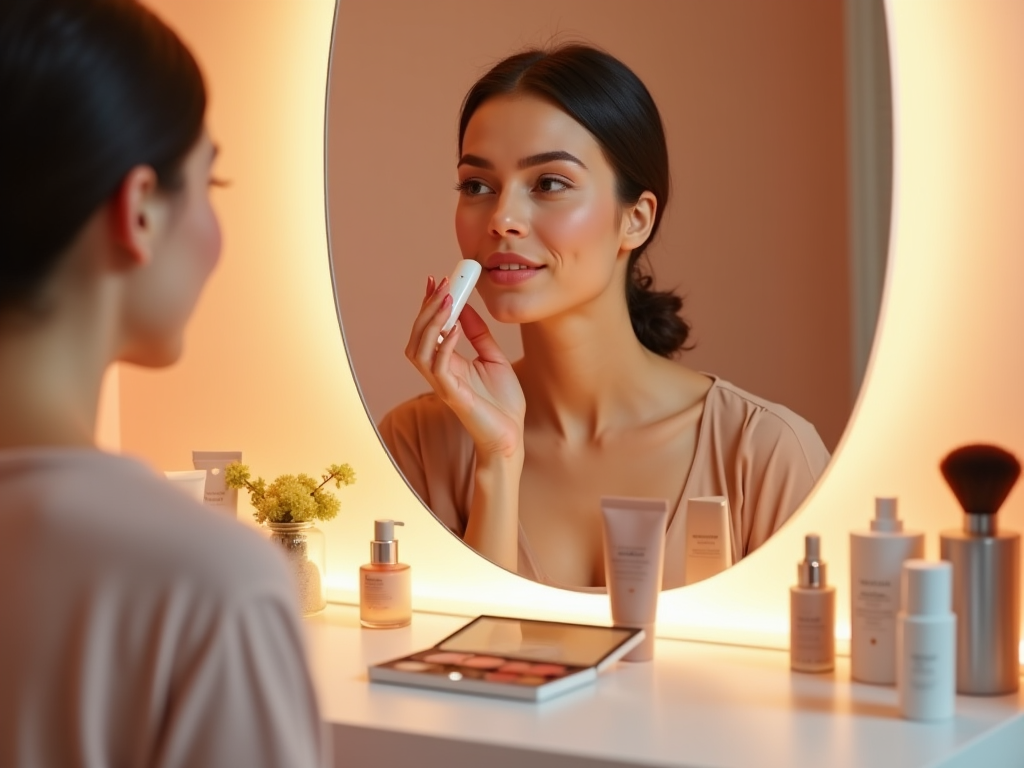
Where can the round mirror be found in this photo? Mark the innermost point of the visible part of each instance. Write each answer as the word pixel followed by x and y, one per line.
pixel 777 121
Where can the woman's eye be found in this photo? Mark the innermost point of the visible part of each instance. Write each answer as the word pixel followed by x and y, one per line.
pixel 472 187
pixel 551 184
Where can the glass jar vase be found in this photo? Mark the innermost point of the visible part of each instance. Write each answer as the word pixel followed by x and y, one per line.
pixel 304 548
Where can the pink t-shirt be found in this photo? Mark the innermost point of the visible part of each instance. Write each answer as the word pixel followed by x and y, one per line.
pixel 138 628
pixel 761 456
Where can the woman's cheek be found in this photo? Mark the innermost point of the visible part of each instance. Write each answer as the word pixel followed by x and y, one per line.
pixel 214 240
pixel 467 232
pixel 572 225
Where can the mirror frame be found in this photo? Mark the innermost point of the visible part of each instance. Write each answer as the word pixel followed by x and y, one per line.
pixel 806 75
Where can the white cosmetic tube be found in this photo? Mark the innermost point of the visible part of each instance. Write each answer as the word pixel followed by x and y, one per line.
pixel 190 481
pixel 217 493
pixel 708 537
pixel 634 557
pixel 926 642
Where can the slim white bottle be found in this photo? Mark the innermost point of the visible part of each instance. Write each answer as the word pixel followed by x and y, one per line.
pixel 876 564
pixel 926 642
pixel 812 613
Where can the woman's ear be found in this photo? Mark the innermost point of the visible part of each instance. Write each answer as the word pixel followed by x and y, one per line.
pixel 136 216
pixel 638 221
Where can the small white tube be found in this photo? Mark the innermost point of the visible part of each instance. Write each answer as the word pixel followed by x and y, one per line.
pixel 634 557
pixel 926 642
pixel 708 537
pixel 189 481
pixel 217 494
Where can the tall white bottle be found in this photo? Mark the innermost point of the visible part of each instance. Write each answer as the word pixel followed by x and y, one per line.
pixel 926 642
pixel 876 562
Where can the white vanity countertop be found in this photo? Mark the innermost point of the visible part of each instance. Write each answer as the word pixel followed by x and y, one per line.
pixel 694 705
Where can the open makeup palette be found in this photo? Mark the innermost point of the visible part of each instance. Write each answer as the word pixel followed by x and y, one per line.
pixel 513 658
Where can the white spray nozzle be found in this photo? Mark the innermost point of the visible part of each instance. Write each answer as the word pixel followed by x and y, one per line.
pixel 886 516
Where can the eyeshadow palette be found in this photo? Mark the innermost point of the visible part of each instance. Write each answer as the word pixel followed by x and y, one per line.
pixel 512 658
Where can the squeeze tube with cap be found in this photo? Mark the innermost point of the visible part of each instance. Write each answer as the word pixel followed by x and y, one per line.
pixel 876 565
pixel 708 537
pixel 385 585
pixel 926 642
pixel 812 613
pixel 634 558
pixel 216 493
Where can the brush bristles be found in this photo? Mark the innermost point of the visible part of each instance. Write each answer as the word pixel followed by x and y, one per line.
pixel 981 477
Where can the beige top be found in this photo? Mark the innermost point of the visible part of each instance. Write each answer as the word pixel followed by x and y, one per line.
pixel 141 629
pixel 761 456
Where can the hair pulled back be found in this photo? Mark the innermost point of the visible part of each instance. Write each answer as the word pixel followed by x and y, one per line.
pixel 89 89
pixel 604 96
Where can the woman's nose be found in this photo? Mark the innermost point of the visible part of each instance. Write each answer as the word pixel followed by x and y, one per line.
pixel 510 216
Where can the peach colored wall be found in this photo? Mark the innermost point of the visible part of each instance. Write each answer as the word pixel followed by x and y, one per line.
pixel 753 98
pixel 264 357
pixel 265 368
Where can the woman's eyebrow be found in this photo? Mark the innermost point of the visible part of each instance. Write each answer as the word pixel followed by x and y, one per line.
pixel 548 157
pixel 527 162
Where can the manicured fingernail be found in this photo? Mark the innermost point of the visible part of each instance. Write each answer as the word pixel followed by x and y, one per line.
pixel 430 284
pixel 441 285
pixel 446 301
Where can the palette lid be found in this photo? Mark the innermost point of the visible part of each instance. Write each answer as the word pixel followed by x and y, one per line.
pixel 555 642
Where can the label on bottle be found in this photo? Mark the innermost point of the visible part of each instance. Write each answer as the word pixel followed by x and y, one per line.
pixel 876 561
pixel 385 595
pixel 926 681
pixel 812 629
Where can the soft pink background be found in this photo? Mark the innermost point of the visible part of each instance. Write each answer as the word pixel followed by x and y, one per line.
pixel 752 94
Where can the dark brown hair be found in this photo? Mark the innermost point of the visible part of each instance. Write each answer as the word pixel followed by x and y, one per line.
pixel 604 96
pixel 89 89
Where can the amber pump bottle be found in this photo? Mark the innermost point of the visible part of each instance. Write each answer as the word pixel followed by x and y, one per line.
pixel 385 585
pixel 812 613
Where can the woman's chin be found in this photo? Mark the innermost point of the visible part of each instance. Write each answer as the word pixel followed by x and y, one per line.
pixel 512 312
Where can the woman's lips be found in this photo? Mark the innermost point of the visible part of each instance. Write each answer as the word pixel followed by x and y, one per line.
pixel 511 276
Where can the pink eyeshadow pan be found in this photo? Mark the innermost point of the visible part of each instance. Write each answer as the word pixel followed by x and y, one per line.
pixel 483 662
pixel 447 657
pixel 517 667
pixel 501 677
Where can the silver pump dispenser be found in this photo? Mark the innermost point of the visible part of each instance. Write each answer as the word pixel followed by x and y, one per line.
pixel 384 547
pixel 811 570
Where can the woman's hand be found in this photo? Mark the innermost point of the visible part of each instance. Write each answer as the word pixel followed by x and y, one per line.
pixel 484 393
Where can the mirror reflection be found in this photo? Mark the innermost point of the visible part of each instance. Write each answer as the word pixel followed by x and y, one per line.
pixel 594 359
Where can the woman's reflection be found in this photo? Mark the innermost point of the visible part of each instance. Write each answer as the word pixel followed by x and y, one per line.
pixel 563 179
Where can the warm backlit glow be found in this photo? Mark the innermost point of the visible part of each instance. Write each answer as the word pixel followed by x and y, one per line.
pixel 946 369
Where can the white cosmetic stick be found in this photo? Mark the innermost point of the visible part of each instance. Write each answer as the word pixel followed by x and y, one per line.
pixel 460 286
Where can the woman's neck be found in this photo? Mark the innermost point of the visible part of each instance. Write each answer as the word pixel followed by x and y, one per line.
pixel 586 375
pixel 50 383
